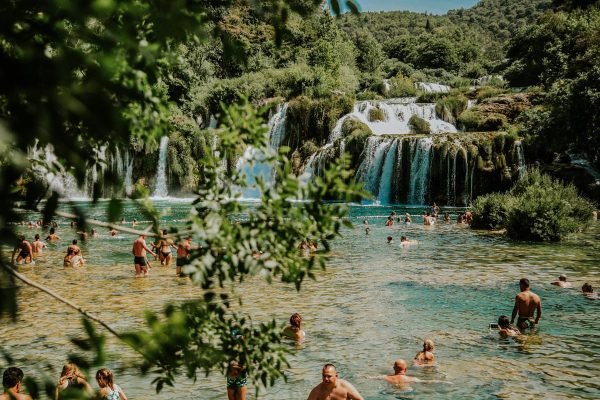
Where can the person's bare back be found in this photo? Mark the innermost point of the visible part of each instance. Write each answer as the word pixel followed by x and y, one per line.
pixel 333 388
pixel 526 303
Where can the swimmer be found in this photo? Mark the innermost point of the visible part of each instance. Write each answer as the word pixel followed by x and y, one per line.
pixel 404 241
pixel 183 254
pixel 164 247
pixel 425 356
pixel 526 303
pixel 68 258
pixel 112 232
pixel 83 235
pixel 407 219
pixel 505 328
pixel 399 376
pixel 295 331
pixel 446 217
pixel 139 250
pixel 237 381
pixel 108 389
pixel 24 251
pixel 94 233
pixel 427 220
pixel 12 381
pixel 588 291
pixel 367 227
pixel 77 260
pixel 333 388
pixel 37 246
pixel 122 220
pixel 134 222
pixel 52 236
pixel 389 239
pixel 562 282
pixel 389 222
pixel 73 246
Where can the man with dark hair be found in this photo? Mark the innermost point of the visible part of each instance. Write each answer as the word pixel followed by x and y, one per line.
pixel 333 388
pixel 23 249
pixel 526 303
pixel 12 380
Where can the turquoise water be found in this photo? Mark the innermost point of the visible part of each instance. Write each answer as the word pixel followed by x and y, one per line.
pixel 375 303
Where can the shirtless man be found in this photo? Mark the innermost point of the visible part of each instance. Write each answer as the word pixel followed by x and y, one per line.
pixel 562 282
pixel 333 388
pixel 73 246
pixel 52 236
pixel 399 377
pixel 12 381
pixel 139 256
pixel 37 245
pixel 526 303
pixel 23 249
pixel 183 252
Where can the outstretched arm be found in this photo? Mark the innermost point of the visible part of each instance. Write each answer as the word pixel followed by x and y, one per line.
pixel 352 392
pixel 538 312
pixel 515 310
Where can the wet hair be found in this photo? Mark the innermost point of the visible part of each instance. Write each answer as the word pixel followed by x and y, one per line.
pixel 587 288
pixel 70 371
pixel 107 377
pixel 164 232
pixel 295 321
pixel 427 345
pixel 51 231
pixel 403 238
pixel 562 278
pixel 389 238
pixel 21 237
pixel 74 241
pixel 503 321
pixel 37 236
pixel 524 282
pixel 11 377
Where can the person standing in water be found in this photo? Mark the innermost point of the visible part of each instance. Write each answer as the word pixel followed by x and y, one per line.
pixel 333 388
pixel 37 246
pixel 526 303
pixel 237 382
pixel 52 236
pixel 24 251
pixel 139 256
pixel 562 282
pixel 108 389
pixel 183 253
pixel 426 356
pixel 165 245
pixel 12 381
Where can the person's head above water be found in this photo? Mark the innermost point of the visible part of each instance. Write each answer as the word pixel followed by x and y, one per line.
pixel 403 239
pixel 295 321
pixel 524 283
pixel 428 345
pixel 587 288
pixel 399 366
pixel 329 375
pixel 562 278
pixel 503 321
pixel 389 239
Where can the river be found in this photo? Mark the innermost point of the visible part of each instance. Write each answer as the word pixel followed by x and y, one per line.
pixel 376 302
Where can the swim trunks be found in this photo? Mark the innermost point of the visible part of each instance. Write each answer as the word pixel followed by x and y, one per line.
pixel 166 253
pixel 180 261
pixel 237 382
pixel 526 323
pixel 139 260
pixel 24 253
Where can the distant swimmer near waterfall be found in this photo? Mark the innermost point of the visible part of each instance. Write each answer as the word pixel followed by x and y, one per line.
pixel 526 303
pixel 333 388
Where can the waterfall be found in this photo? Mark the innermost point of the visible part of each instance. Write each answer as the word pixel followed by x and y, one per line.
pixel 128 182
pixel 419 170
pixel 369 171
pixel 253 163
pixel 385 185
pixel 576 159
pixel 520 158
pixel 432 87
pixel 161 190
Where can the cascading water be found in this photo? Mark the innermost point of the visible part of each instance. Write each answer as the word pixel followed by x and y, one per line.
pixel 432 87
pixel 385 181
pixel 253 164
pixel 161 190
pixel 419 170
pixel 128 181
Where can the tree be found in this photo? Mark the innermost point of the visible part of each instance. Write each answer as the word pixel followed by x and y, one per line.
pixel 81 75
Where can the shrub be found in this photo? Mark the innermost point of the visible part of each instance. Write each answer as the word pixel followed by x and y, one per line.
pixel 450 107
pixel 419 125
pixel 368 95
pixel 401 86
pixel 491 211
pixel 469 120
pixel 376 114
pixel 486 92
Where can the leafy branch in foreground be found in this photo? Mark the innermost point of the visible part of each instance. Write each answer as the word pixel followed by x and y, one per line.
pixel 200 335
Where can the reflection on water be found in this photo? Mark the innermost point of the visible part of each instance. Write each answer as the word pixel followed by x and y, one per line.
pixel 375 303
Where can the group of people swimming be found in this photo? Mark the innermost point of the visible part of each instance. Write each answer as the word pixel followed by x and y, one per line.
pixel 71 384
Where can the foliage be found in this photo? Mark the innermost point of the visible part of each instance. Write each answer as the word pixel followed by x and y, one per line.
pixel 449 108
pixel 490 211
pixel 537 208
pixel 401 86
pixel 376 114
pixel 419 126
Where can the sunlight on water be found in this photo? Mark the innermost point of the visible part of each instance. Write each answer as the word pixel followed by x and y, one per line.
pixel 375 303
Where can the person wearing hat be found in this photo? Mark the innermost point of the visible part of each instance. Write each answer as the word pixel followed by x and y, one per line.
pixel 562 282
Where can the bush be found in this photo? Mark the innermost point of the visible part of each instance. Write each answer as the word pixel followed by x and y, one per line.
pixel 401 86
pixel 537 208
pixel 450 107
pixel 419 125
pixel 491 211
pixel 376 114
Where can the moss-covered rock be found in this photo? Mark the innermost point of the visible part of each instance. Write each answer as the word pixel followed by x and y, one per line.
pixel 355 134
pixel 419 126
pixel 376 114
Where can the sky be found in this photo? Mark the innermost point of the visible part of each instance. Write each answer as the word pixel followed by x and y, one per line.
pixel 429 6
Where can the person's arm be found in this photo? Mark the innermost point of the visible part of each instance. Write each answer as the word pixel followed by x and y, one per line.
pixel 555 283
pixel 313 394
pixel 147 249
pixel 17 249
pixel 122 395
pixel 133 249
pixel 538 312
pixel 515 309
pixel 352 392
